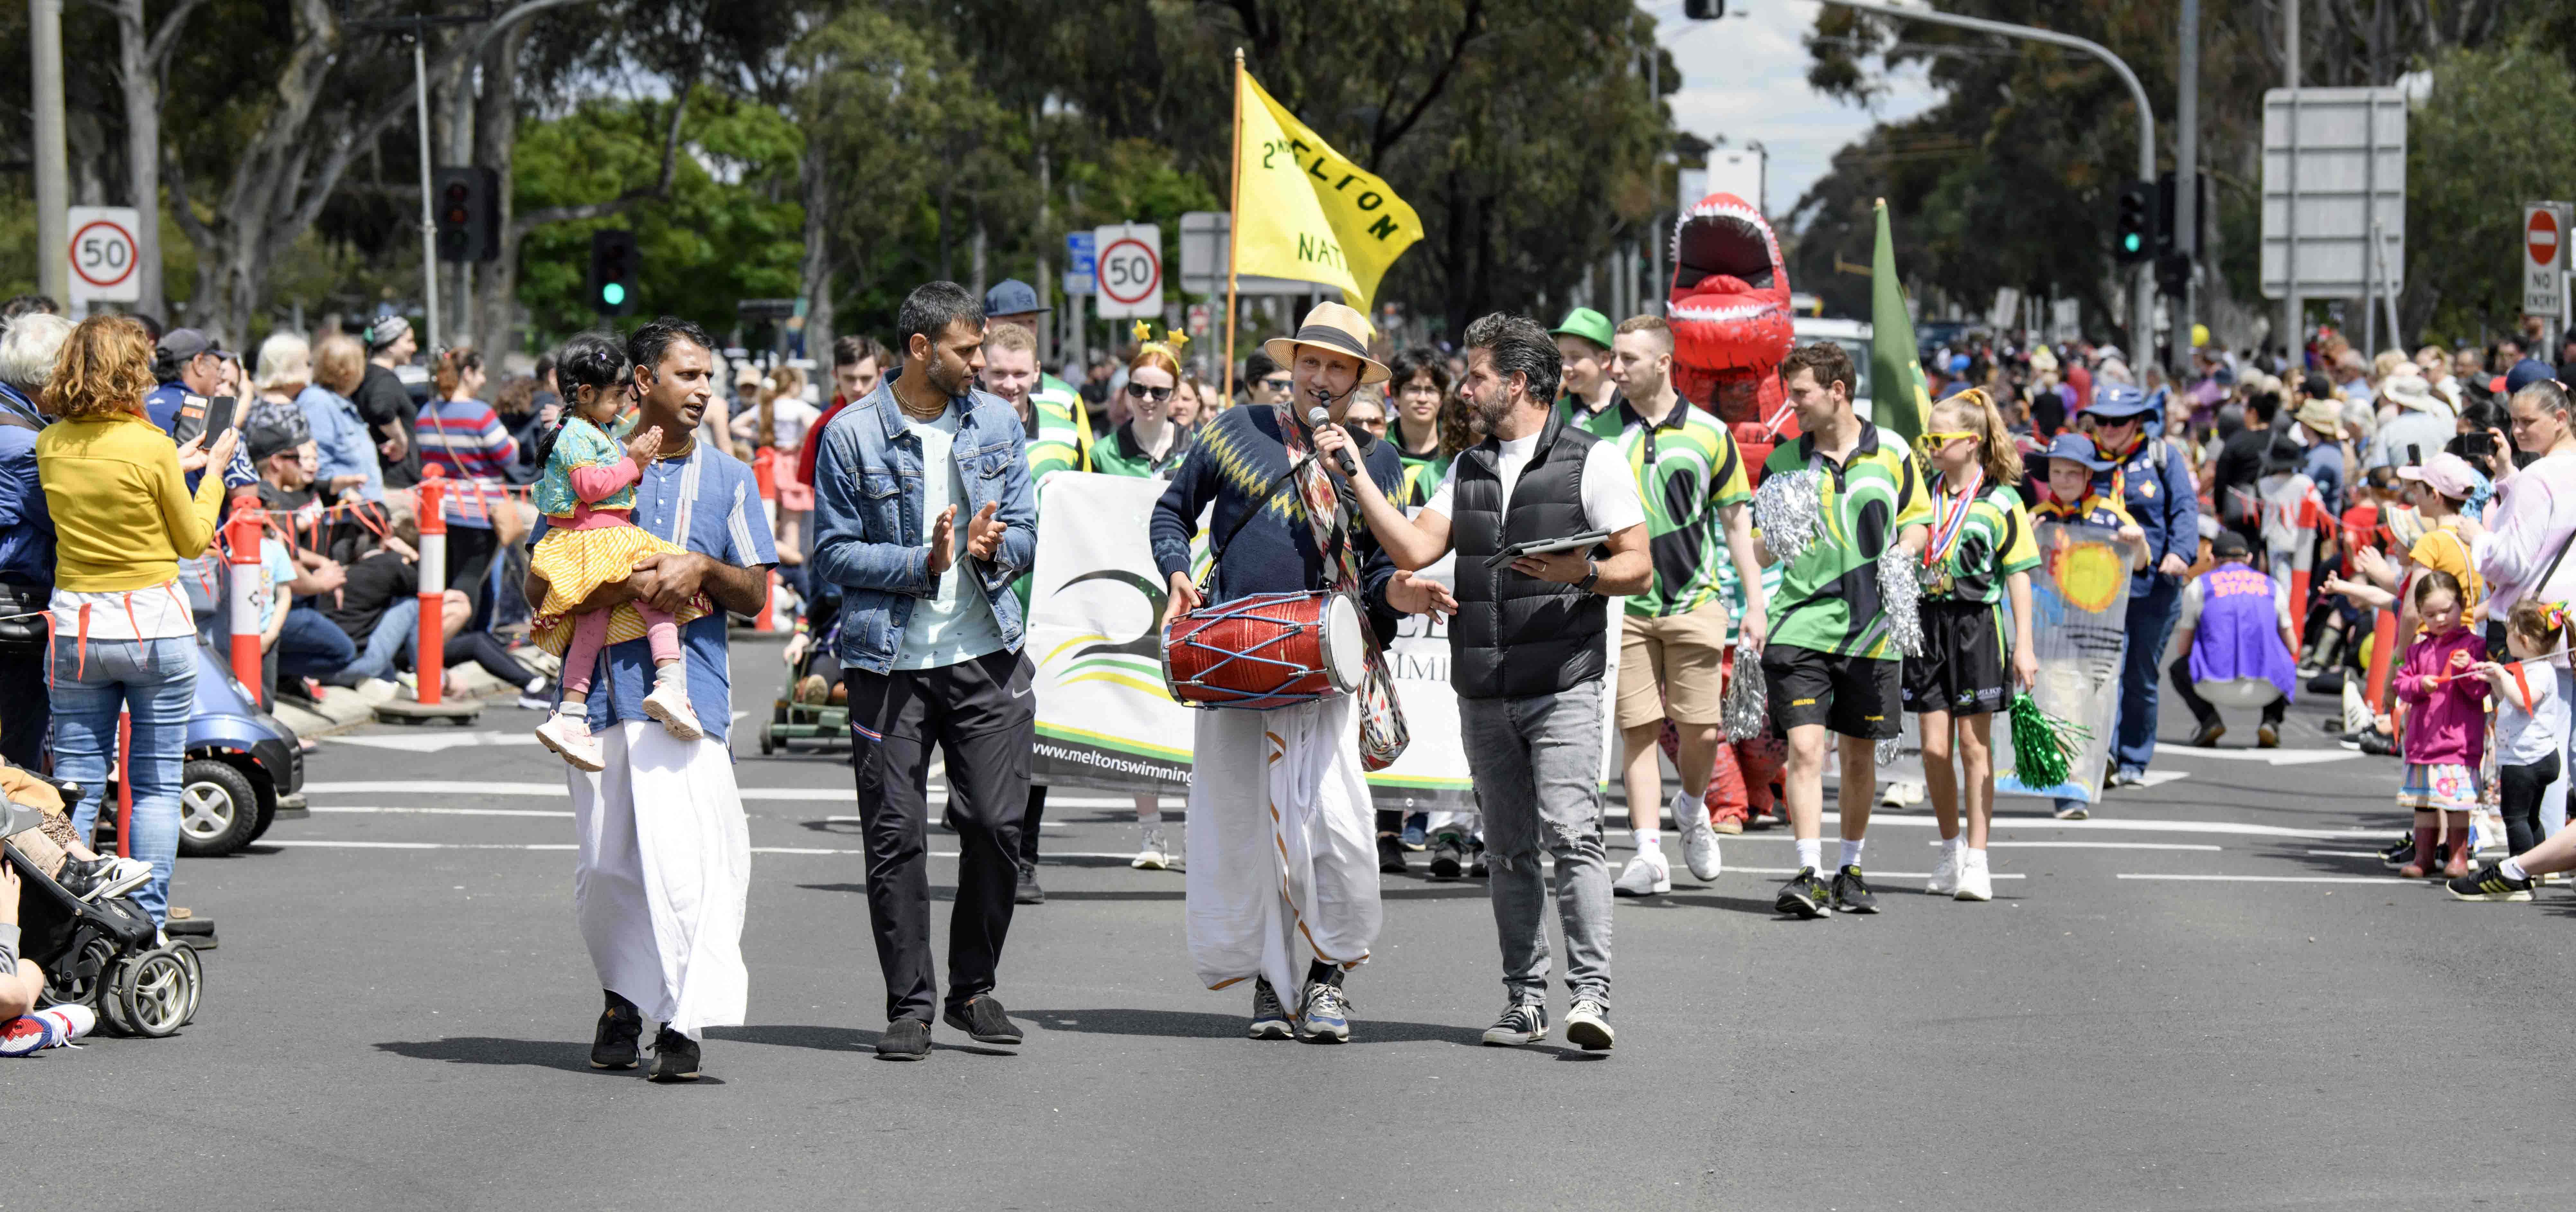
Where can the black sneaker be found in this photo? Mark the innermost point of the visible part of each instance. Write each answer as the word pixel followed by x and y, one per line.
pixel 2377 744
pixel 1851 892
pixel 620 1025
pixel 2207 734
pixel 905 1039
pixel 2489 883
pixel 1447 859
pixel 1027 891
pixel 2400 854
pixel 1521 1023
pixel 1390 855
pixel 1477 868
pixel 1269 1018
pixel 984 1019
pixel 675 1057
pixel 1804 896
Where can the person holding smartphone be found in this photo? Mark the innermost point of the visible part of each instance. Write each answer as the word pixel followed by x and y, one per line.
pixel 124 636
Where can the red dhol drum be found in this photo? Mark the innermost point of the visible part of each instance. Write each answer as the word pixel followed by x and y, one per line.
pixel 1266 651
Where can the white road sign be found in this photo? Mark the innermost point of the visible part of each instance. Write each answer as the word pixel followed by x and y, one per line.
pixel 104 254
pixel 1129 274
pixel 2329 178
pixel 2541 257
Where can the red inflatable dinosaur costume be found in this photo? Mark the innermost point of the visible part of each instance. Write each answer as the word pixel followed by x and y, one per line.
pixel 1729 311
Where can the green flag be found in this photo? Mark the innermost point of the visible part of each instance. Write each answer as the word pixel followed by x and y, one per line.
pixel 1899 398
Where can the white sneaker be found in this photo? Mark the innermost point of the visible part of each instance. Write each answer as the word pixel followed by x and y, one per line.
pixel 1648 874
pixel 1699 839
pixel 1974 882
pixel 1945 875
pixel 669 703
pixel 569 735
pixel 1156 856
pixel 66 1023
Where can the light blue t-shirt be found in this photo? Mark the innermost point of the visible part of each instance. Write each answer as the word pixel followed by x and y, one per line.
pixel 956 624
pixel 277 566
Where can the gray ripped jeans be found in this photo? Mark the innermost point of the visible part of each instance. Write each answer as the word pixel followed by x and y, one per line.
pixel 1537 766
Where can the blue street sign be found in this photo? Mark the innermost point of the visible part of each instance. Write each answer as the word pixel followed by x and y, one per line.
pixel 1080 268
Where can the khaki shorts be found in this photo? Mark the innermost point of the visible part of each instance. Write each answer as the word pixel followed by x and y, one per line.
pixel 1674 665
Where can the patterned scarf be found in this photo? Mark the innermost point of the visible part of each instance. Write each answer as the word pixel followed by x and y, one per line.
pixel 1383 735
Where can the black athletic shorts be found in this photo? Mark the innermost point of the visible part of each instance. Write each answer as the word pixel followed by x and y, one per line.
pixel 1851 695
pixel 1961 670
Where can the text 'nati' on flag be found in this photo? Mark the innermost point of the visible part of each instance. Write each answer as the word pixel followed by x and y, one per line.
pixel 1899 398
pixel 1305 211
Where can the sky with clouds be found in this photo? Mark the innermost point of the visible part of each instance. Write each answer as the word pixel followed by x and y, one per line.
pixel 1745 77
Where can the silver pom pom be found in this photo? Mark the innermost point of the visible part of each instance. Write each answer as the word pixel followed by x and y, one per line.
pixel 1744 711
pixel 1887 752
pixel 1789 511
pixel 1900 592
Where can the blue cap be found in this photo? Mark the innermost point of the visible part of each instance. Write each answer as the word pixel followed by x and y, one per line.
pixel 2080 448
pixel 2524 373
pixel 2116 401
pixel 1011 297
pixel 1958 363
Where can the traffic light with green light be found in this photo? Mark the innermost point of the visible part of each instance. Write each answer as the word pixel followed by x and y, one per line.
pixel 614 268
pixel 2133 229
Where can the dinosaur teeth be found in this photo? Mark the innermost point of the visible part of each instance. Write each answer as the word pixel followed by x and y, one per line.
pixel 1720 315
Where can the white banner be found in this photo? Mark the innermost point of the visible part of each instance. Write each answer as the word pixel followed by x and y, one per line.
pixel 2079 614
pixel 1105 720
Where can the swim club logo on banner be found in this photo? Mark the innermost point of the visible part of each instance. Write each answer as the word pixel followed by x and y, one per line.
pixel 1105 721
pixel 2080 606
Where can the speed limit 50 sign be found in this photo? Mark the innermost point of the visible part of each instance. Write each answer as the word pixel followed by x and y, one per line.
pixel 1128 269
pixel 104 254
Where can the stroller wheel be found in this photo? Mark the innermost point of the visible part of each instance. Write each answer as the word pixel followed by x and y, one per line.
pixel 158 991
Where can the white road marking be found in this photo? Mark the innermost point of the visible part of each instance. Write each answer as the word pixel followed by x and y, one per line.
pixel 2270 757
pixel 549 812
pixel 1874 875
pixel 2219 828
pixel 329 844
pixel 436 742
pixel 2098 845
pixel 2272 879
pixel 810 794
pixel 2345 853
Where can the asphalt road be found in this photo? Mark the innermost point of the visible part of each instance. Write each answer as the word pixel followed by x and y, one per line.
pixel 2207 996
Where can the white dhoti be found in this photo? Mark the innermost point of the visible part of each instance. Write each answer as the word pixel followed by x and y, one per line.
pixel 1282 844
pixel 663 871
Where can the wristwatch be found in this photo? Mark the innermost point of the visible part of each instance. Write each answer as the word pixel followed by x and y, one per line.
pixel 1591 575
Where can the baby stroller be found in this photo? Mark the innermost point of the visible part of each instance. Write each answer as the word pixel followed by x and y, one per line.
pixel 104 954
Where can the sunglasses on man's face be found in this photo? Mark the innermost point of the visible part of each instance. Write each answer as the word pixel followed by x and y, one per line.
pixel 1140 391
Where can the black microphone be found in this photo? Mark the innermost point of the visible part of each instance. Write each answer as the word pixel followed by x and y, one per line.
pixel 1318 417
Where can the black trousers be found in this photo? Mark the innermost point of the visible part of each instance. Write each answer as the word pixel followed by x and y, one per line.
pixel 1029 825
pixel 2273 712
pixel 2519 790
pixel 981 717
pixel 26 709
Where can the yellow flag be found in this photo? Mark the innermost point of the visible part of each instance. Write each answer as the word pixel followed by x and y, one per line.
pixel 1305 211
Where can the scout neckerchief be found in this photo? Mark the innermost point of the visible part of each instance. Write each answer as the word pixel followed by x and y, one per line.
pixel 1949 522
pixel 1382 732
pixel 2119 464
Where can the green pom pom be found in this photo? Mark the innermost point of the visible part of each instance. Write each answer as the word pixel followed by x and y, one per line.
pixel 2043 745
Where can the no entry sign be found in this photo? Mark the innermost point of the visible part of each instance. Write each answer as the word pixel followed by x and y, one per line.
pixel 2544 260
pixel 1129 269
pixel 104 254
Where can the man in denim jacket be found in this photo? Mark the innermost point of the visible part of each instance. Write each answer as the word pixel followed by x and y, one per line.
pixel 924 516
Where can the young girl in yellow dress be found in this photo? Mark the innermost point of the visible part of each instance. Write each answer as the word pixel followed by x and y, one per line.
pixel 588 497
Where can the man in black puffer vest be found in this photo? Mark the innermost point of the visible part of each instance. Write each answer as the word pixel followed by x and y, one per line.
pixel 1528 641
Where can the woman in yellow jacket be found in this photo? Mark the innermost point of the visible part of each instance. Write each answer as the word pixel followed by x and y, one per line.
pixel 123 635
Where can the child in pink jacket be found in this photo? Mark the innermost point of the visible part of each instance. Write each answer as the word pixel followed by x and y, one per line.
pixel 2446 727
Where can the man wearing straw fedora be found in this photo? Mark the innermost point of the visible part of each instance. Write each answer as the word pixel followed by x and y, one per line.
pixel 1282 843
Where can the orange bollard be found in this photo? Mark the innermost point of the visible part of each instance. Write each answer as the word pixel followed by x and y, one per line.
pixel 124 784
pixel 430 668
pixel 764 472
pixel 2382 657
pixel 242 535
